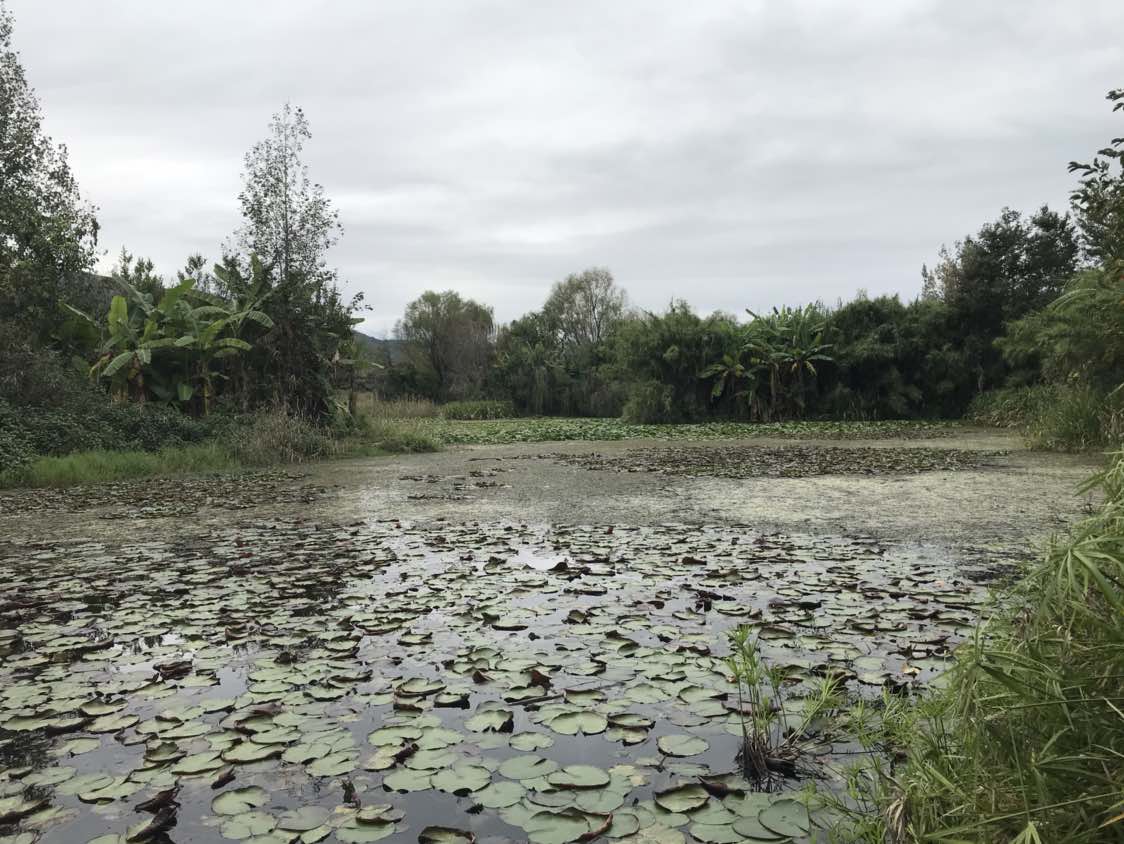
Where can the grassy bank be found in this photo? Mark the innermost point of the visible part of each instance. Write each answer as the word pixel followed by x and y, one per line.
pixel 88 467
pixel 267 439
pixel 1026 741
pixel 400 427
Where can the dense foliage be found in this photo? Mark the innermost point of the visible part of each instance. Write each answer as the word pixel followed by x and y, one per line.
pixel 135 360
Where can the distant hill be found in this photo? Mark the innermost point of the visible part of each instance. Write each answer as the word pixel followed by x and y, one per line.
pixel 392 350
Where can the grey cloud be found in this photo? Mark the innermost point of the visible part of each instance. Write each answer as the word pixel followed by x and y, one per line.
pixel 737 154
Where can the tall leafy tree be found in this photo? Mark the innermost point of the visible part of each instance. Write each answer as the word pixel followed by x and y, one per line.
pixel 584 308
pixel 452 339
pixel 48 233
pixel 1098 200
pixel 1011 267
pixel 289 224
pixel 288 220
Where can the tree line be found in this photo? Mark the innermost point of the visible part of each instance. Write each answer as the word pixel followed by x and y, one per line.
pixel 1029 301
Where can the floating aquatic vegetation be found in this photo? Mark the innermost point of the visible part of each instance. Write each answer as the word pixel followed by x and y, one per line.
pixel 282 681
pixel 788 461
pixel 502 431
pixel 160 497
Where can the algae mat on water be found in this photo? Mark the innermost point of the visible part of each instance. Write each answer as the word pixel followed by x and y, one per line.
pixel 788 461
pixel 285 682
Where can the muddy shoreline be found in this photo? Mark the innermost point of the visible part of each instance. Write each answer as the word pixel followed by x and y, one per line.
pixel 1019 497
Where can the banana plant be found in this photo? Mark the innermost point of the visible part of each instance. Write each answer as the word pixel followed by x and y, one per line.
pixel 196 330
pixel 788 343
pixel 133 335
pixel 246 296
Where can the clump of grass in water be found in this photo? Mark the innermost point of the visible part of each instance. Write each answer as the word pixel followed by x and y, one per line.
pixel 771 746
pixel 1026 741
pixel 404 408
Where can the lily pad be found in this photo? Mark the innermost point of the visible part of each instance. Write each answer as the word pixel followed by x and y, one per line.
pixel 786 817
pixel 238 801
pixel 582 722
pixel 578 776
pixel 682 745
pixel 683 798
pixel 445 835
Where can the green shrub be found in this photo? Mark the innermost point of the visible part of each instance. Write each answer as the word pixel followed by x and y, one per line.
pixel 474 410
pixel 1011 407
pixel 1079 419
pixel 16 449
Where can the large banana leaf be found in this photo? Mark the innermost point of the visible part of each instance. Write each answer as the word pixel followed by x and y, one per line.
pixel 233 343
pixel 114 365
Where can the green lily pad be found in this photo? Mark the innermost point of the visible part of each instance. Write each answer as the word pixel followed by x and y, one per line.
pixel 556 827
pixel 462 778
pixel 499 795
pixel 751 829
pixel 304 819
pixel 445 835
pixel 581 722
pixel 786 817
pixel 14 808
pixel 715 833
pixel 527 767
pixel 334 765
pixel 386 736
pixel 431 760
pixel 365 833
pixel 249 751
pixel 247 825
pixel 578 776
pixel 682 745
pixel 490 721
pixel 238 801
pixel 530 741
pixel 683 798
pixel 408 779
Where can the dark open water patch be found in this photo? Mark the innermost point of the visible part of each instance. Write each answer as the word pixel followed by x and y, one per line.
pixel 287 681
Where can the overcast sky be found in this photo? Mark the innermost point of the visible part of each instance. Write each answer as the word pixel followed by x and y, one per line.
pixel 735 154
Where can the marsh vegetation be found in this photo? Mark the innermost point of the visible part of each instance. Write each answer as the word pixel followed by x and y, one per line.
pixel 209 631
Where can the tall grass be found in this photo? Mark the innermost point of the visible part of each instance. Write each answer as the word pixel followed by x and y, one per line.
pixel 369 405
pixel 1026 743
pixel 278 437
pixel 1058 418
pixel 90 467
pixel 264 439
pixel 478 410
pixel 399 436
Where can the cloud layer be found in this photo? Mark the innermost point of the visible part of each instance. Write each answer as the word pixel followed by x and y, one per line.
pixel 736 154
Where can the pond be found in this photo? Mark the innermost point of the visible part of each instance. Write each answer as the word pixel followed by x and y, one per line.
pixel 290 681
